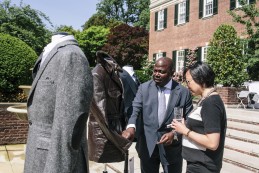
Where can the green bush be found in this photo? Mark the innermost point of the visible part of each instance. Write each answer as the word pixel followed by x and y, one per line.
pixel 16 59
pixel 226 58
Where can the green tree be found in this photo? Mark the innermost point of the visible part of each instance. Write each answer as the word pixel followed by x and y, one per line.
pixel 15 62
pixel 128 11
pixel 91 40
pixel 247 15
pixel 128 45
pixel 99 19
pixel 225 57
pixel 25 23
pixel 68 29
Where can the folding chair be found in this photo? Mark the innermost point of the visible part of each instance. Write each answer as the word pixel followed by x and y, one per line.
pixel 242 95
pixel 255 99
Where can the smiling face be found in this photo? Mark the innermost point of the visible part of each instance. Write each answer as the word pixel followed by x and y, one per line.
pixel 162 72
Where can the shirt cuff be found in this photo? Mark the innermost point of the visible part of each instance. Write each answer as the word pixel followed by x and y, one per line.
pixel 131 125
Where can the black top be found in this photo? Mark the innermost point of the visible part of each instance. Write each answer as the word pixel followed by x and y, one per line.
pixel 210 117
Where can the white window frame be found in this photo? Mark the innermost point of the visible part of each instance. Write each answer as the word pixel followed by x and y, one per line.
pixel 160 20
pixel 238 4
pixel 159 55
pixel 204 53
pixel 180 54
pixel 207 8
pixel 182 12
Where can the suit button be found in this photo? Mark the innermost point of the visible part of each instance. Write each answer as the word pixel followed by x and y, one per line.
pixel 30 123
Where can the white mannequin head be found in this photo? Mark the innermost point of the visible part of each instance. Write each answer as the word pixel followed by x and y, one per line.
pixel 129 69
pixel 56 36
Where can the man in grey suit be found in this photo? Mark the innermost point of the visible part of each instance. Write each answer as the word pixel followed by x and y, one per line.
pixel 58 106
pixel 156 143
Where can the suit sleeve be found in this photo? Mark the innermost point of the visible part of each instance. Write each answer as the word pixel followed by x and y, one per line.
pixel 73 97
pixel 137 106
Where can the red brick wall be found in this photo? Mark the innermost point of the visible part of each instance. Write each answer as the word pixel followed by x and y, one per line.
pixel 195 33
pixel 229 95
pixel 12 130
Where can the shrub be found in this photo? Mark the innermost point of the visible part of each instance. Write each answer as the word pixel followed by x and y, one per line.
pixel 16 59
pixel 225 57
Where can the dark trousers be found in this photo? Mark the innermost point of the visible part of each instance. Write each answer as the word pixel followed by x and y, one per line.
pixel 196 167
pixel 152 164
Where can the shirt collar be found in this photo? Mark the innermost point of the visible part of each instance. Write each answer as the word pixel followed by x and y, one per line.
pixel 168 85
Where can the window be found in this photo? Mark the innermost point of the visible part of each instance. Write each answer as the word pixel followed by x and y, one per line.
pixel 156 56
pixel 160 23
pixel 204 53
pixel 208 8
pixel 182 12
pixel 159 55
pixel 180 60
pixel 236 3
pixel 160 19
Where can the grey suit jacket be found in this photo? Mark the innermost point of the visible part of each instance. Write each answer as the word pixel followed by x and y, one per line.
pixel 146 100
pixel 58 107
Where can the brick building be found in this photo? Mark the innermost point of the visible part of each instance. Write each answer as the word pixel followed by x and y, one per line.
pixel 179 25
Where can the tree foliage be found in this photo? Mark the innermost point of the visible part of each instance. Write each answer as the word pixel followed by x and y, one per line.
pixel 225 57
pixel 127 45
pixel 91 40
pixel 247 15
pixel 99 19
pixel 129 11
pixel 25 23
pixel 68 29
pixel 15 62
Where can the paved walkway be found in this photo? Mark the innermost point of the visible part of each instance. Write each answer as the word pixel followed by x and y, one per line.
pixel 12 156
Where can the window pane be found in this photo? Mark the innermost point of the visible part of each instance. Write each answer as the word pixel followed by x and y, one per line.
pixel 204 53
pixel 208 7
pixel 182 12
pixel 159 55
pixel 160 20
pixel 180 60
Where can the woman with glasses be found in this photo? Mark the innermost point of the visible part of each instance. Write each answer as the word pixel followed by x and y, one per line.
pixel 205 128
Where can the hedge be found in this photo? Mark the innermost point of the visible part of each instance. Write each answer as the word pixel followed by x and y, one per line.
pixel 16 60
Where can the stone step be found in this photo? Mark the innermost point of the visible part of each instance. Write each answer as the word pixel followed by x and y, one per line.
pixel 230 168
pixel 243 136
pixel 243 115
pixel 243 127
pixel 242 160
pixel 242 147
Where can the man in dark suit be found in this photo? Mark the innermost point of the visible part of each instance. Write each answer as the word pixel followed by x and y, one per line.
pixel 156 143
pixel 130 86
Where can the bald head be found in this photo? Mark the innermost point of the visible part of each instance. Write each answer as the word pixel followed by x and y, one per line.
pixel 165 61
pixel 163 70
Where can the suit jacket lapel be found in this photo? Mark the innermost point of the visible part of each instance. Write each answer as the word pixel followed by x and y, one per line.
pixel 36 66
pixel 132 84
pixel 174 96
pixel 45 63
pixel 153 93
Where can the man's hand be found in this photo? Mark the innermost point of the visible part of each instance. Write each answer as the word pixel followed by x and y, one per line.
pixel 129 133
pixel 167 138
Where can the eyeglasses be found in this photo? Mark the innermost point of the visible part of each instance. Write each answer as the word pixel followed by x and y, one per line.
pixel 188 81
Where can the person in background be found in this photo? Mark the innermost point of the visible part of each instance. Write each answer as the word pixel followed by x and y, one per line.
pixel 205 129
pixel 58 107
pixel 130 85
pixel 156 99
